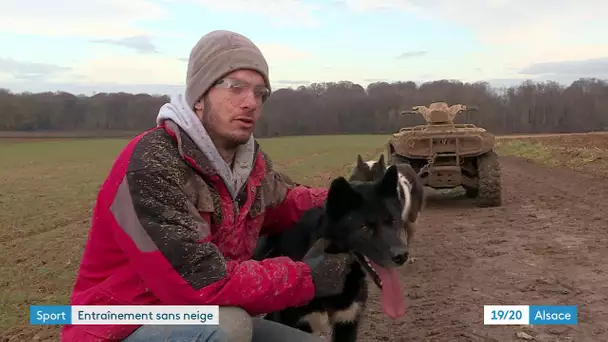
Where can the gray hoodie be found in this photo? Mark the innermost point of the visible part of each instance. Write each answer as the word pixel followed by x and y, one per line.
pixel 180 112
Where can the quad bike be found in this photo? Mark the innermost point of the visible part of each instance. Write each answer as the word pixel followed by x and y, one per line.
pixel 448 155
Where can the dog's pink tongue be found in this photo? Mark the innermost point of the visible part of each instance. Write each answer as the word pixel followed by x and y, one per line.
pixel 393 302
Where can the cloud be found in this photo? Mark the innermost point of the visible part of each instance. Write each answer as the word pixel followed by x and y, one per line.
pixel 276 53
pixel 579 68
pixel 140 43
pixel 93 18
pixel 280 12
pixel 518 22
pixel 372 80
pixel 107 72
pixel 30 71
pixel 412 54
pixel 375 5
pixel 115 68
pixel 516 33
pixel 513 61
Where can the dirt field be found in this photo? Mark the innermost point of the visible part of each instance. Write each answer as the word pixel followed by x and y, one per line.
pixel 545 245
pixel 586 153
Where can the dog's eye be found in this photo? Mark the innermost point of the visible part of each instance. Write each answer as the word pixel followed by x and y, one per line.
pixel 366 229
pixel 389 221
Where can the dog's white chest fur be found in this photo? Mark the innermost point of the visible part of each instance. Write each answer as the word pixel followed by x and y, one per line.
pixel 321 322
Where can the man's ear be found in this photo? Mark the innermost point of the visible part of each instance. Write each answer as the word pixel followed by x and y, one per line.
pixel 198 108
pixel 341 198
pixel 387 186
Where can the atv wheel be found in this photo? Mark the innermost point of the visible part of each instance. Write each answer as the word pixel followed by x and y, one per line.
pixel 490 187
pixel 471 192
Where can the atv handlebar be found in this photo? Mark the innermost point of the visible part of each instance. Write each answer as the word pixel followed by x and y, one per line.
pixel 410 112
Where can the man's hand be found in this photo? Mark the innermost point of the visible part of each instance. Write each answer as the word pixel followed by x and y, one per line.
pixel 328 271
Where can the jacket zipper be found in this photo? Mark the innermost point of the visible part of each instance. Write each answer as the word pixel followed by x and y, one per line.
pixel 235 202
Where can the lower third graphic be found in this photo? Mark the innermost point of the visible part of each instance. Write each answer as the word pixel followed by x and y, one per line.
pixel 530 314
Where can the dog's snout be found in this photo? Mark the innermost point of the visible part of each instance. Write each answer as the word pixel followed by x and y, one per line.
pixel 400 259
pixel 399 255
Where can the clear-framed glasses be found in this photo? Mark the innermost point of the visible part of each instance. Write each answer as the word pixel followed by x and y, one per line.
pixel 239 88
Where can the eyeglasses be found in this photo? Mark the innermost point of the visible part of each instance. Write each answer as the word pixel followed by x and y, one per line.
pixel 239 88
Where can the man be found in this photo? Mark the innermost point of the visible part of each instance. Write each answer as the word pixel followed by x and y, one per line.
pixel 177 220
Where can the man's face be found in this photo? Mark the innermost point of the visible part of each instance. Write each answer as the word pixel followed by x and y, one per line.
pixel 231 108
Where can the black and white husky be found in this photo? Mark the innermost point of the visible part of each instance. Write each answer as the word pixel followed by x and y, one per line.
pixel 410 187
pixel 361 217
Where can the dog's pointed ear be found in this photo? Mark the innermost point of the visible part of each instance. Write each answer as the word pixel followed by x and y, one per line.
pixel 381 162
pixel 360 162
pixel 341 198
pixel 387 186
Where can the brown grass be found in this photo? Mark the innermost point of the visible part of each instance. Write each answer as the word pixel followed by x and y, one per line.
pixel 584 152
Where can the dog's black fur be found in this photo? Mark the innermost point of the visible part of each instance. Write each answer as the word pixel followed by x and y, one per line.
pixel 364 172
pixel 363 218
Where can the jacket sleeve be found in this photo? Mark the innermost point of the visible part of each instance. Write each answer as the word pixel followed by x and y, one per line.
pixel 166 241
pixel 287 201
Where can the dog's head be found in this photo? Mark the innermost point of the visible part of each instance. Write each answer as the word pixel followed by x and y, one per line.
pixel 365 218
pixel 368 171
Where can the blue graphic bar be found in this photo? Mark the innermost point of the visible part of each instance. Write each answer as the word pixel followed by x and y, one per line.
pixel 553 314
pixel 530 314
pixel 66 314
pixel 50 314
pixel 124 314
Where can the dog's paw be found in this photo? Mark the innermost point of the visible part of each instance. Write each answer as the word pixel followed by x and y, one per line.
pixel 411 260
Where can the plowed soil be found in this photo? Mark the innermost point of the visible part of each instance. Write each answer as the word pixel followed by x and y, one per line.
pixel 545 245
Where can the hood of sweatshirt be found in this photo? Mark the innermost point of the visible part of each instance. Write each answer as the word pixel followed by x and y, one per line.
pixel 178 111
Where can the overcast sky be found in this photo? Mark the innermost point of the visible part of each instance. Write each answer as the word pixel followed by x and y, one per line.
pixel 142 45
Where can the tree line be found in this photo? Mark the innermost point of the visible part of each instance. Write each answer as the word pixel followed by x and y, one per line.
pixel 336 108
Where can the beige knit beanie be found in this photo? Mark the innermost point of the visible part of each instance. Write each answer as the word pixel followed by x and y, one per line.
pixel 219 53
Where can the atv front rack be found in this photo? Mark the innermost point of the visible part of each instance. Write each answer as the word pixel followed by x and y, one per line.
pixel 426 128
pixel 453 145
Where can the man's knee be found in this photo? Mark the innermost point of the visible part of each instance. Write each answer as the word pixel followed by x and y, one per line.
pixel 236 323
pixel 194 333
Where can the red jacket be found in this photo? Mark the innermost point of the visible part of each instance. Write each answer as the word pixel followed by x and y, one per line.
pixel 165 230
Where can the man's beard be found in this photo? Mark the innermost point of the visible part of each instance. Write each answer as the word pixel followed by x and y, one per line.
pixel 227 141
